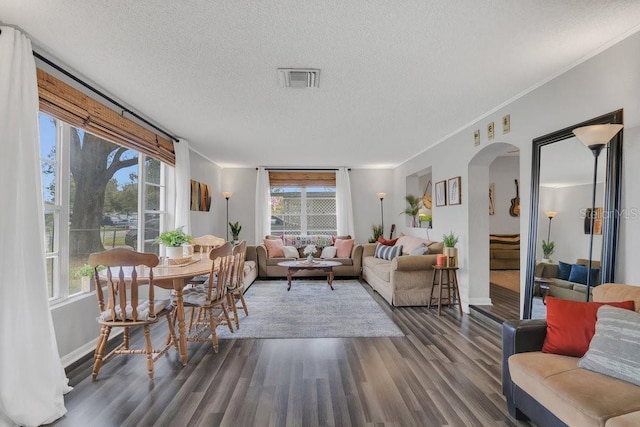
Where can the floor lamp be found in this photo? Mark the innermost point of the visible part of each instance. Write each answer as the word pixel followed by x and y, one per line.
pixel 595 137
pixel 381 197
pixel 550 215
pixel 226 195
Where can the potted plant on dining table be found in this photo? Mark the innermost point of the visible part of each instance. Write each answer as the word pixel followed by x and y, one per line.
pixel 174 241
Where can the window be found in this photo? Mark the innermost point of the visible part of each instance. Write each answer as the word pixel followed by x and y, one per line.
pixel 97 194
pixel 300 210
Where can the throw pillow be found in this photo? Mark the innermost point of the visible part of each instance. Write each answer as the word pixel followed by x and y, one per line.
pixel 571 325
pixel 564 269
pixel 409 243
pixel 388 242
pixel 275 248
pixel 579 274
pixel 290 252
pixel 615 346
pixel 328 252
pixel 387 252
pixel 344 247
pixel 420 250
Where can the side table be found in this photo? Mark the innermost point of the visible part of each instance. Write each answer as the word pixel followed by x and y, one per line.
pixel 450 285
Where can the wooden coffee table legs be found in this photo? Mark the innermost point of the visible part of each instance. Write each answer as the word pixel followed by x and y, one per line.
pixel 291 270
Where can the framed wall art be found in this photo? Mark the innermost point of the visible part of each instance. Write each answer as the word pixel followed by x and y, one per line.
pixel 200 196
pixel 454 192
pixel 441 193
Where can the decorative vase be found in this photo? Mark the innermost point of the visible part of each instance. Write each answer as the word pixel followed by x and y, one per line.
pixel 310 258
pixel 174 252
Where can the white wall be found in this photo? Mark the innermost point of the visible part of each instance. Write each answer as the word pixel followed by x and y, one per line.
pixel 242 182
pixel 212 222
pixel 502 172
pixel 604 83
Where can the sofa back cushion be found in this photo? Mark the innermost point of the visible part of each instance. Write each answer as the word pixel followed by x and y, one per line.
pixel 610 292
pixel 343 248
pixel 409 243
pixel 579 274
pixel 504 241
pixel 387 252
pixel 275 248
pixel 564 270
pixel 319 240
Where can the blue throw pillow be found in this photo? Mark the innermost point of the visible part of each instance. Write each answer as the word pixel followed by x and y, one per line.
pixel 564 270
pixel 387 252
pixel 579 274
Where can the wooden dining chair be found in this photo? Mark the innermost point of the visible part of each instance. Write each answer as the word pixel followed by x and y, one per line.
pixel 211 298
pixel 235 291
pixel 120 278
pixel 205 243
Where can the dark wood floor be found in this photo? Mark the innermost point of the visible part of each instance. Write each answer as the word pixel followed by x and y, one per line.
pixel 445 371
pixel 506 304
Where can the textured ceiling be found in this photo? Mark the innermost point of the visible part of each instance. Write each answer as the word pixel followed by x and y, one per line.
pixel 397 76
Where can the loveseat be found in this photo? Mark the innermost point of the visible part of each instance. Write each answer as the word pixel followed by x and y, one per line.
pixel 552 390
pixel 504 251
pixel 561 288
pixel 406 279
pixel 351 266
pixel 250 266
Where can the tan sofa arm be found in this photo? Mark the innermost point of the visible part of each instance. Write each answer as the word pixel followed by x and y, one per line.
pixel 261 253
pixel 368 249
pixel 413 262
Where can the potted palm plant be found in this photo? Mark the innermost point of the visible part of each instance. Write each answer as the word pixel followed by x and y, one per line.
pixel 413 209
pixel 174 240
pixel 235 230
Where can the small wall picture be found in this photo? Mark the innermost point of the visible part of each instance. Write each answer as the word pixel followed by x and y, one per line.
pixel 454 193
pixel 597 221
pixel 441 193
pixel 200 196
pixel 492 189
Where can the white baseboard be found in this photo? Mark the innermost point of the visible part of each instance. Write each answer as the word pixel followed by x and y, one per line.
pixel 82 351
pixel 480 301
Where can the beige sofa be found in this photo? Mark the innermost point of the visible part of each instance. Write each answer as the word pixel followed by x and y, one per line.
pixel 405 280
pixel 504 252
pixel 552 390
pixel 349 267
pixel 250 266
pixel 560 288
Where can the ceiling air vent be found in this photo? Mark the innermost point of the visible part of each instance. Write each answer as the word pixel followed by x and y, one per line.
pixel 299 77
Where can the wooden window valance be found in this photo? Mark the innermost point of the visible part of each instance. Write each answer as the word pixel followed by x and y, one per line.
pixel 302 179
pixel 72 106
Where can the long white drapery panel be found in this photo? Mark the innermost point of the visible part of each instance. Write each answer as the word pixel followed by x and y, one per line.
pixel 344 206
pixel 263 205
pixel 183 186
pixel 32 379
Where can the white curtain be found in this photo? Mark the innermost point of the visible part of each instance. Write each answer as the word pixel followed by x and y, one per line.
pixel 263 205
pixel 32 379
pixel 344 206
pixel 183 186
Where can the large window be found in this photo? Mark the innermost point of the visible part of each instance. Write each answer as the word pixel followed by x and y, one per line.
pixel 97 195
pixel 300 210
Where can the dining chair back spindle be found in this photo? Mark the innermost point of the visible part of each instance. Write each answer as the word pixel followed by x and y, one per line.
pixel 120 278
pixel 236 285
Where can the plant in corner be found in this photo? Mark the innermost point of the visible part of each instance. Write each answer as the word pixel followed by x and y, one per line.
pixel 235 230
pixel 413 208
pixel 377 232
pixel 174 240
pixel 547 250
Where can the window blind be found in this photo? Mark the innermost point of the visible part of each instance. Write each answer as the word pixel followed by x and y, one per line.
pixel 302 179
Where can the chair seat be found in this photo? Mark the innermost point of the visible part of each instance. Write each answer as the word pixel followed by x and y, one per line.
pixel 143 311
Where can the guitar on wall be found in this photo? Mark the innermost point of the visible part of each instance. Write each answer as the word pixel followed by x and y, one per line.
pixel 514 210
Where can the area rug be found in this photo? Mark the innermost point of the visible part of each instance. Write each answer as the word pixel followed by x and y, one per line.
pixel 509 279
pixel 311 310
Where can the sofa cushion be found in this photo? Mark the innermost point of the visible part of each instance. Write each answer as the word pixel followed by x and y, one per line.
pixel 420 250
pixel 571 325
pixel 579 274
pixel 344 247
pixel 564 270
pixel 290 252
pixel 615 346
pixel 617 292
pixel 275 248
pixel 577 396
pixel 249 266
pixel 319 240
pixel 435 247
pixel 328 252
pixel 379 267
pixel 387 252
pixel 409 243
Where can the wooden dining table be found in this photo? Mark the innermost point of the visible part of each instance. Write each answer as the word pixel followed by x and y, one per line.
pixel 176 277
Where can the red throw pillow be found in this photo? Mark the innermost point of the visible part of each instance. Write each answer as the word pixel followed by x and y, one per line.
pixel 571 325
pixel 275 248
pixel 386 242
pixel 343 248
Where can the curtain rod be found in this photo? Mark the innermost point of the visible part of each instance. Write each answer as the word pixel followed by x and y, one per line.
pixel 101 94
pixel 303 169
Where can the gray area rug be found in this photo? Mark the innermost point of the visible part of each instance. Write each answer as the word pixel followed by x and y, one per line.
pixel 310 310
pixel 538 309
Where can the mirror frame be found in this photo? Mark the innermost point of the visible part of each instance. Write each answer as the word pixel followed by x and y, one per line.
pixel 612 193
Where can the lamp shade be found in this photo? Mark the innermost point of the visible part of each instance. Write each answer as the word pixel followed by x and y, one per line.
pixel 597 134
pixel 227 194
pixel 381 195
pixel 550 214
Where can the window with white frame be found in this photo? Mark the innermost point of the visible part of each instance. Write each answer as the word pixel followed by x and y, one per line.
pixel 302 210
pixel 97 195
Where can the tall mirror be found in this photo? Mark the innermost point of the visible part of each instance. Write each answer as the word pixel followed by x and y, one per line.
pixel 565 237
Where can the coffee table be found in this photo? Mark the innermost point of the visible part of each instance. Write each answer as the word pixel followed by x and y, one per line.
pixel 543 284
pixel 293 266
